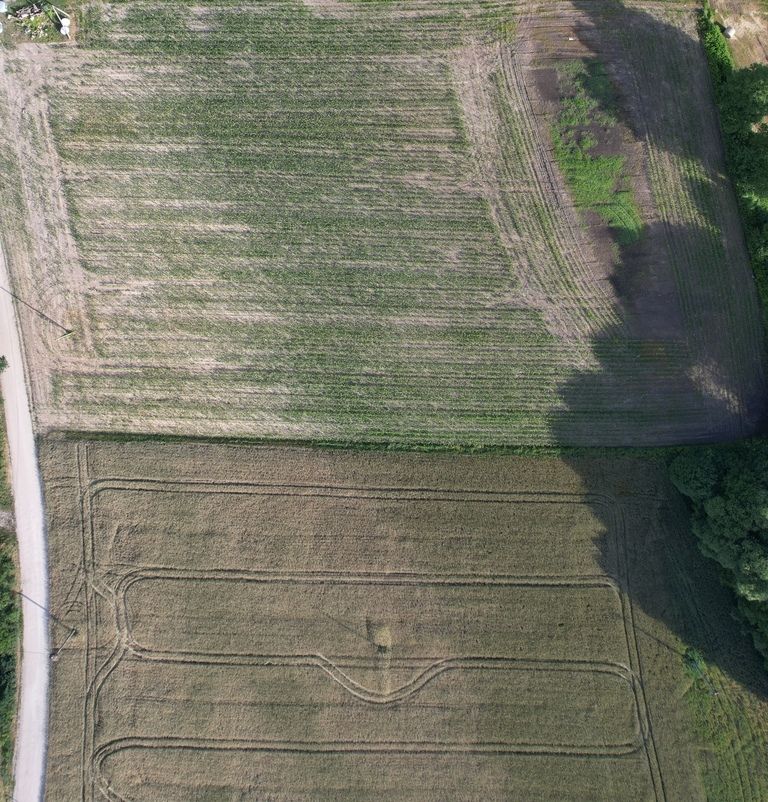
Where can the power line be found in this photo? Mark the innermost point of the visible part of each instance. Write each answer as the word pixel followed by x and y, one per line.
pixel 72 631
pixel 37 311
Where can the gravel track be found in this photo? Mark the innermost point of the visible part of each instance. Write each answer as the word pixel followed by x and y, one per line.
pixel 32 721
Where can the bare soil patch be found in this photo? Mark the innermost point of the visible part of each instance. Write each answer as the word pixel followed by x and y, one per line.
pixel 750 20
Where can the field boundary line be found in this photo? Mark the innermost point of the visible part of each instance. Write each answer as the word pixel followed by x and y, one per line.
pixel 615 526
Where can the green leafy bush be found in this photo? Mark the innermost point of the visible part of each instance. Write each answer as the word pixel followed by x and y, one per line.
pixel 719 56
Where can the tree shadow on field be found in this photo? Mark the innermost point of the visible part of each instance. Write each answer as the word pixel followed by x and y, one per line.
pixel 671 373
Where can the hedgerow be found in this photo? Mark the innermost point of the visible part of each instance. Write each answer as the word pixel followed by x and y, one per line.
pixel 728 487
pixel 728 490
pixel 742 101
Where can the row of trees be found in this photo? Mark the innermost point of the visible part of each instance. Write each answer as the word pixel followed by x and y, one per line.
pixel 742 100
pixel 728 490
pixel 728 486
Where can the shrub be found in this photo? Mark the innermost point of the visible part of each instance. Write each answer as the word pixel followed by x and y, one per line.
pixel 728 490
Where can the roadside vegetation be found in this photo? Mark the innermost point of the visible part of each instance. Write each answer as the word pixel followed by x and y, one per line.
pixel 5 488
pixel 10 622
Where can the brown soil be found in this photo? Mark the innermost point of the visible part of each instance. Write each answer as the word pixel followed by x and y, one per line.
pixel 640 275
pixel 750 19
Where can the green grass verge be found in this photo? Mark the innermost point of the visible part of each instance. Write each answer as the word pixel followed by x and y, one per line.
pixel 598 183
pixel 10 627
pixel 720 725
pixel 5 490
pixel 10 622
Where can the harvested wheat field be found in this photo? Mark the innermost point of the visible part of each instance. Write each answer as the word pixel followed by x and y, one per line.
pixel 265 623
pixel 374 221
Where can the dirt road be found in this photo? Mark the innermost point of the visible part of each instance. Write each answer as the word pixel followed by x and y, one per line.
pixel 32 722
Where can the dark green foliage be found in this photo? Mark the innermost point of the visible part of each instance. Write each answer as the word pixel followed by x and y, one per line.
pixel 10 623
pixel 694 662
pixel 742 101
pixel 696 478
pixel 715 45
pixel 728 488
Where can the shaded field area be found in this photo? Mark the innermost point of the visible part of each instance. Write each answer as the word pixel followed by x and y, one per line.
pixel 377 222
pixel 290 624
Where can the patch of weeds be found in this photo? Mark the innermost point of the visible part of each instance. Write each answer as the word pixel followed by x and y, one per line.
pixel 10 624
pixel 598 181
pixel 5 490
pixel 35 20
pixel 725 729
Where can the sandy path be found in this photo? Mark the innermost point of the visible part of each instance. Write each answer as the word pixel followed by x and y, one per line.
pixel 32 722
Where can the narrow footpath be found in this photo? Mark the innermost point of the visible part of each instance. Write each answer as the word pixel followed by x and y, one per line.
pixel 32 720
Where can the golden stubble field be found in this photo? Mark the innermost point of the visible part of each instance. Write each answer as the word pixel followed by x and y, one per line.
pixel 263 623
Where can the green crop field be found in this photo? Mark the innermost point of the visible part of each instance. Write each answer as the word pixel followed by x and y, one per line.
pixel 348 221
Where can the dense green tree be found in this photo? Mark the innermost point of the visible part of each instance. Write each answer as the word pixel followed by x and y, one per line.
pixel 728 490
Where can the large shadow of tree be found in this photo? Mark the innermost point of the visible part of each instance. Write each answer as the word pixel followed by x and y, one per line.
pixel 732 397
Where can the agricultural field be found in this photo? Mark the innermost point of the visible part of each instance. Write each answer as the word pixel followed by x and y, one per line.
pixel 292 624
pixel 443 223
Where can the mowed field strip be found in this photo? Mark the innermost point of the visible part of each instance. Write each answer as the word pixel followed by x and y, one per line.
pixel 344 221
pixel 287 624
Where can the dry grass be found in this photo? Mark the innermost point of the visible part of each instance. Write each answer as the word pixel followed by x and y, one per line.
pixel 343 220
pixel 288 624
